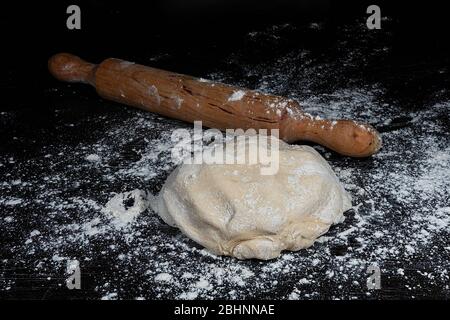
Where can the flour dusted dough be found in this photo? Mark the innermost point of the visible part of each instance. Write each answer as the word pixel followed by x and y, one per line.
pixel 234 210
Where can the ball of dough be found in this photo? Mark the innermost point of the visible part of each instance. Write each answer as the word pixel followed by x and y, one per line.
pixel 231 209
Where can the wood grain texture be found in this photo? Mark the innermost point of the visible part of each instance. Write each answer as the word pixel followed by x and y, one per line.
pixel 215 104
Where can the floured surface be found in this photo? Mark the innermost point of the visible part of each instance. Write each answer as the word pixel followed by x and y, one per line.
pixel 53 195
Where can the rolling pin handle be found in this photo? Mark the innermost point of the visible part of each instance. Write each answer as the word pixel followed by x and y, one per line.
pixel 70 68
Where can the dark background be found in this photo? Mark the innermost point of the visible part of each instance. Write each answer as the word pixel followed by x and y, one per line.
pixel 196 35
pixel 32 31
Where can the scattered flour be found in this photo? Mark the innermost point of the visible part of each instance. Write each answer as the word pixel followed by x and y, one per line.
pixel 237 95
pixel 93 158
pixel 56 206
pixel 163 277
pixel 125 207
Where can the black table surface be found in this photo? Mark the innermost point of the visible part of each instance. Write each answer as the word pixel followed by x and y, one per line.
pixel 68 152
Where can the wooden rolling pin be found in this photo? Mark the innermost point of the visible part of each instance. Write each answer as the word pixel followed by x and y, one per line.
pixel 215 104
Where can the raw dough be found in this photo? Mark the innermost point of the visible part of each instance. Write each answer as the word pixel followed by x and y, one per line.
pixel 234 210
